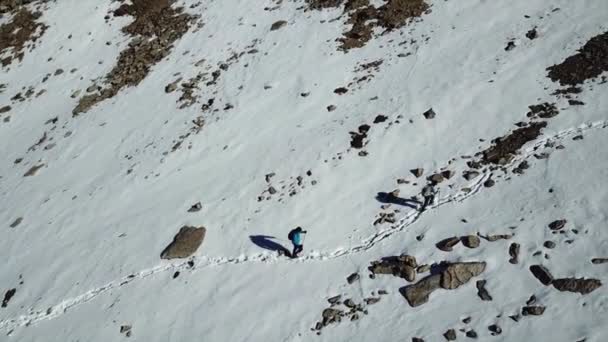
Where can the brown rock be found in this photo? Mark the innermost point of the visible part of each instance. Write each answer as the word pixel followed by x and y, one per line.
pixel 437 178
pixel 185 243
pixel 447 244
pixel 352 278
pixel 481 290
pixel 277 25
pixel 533 310
pixel 5 109
pixel 418 294
pixel 470 241
pixel 450 335
pixel 33 170
pixel 458 274
pixel 581 285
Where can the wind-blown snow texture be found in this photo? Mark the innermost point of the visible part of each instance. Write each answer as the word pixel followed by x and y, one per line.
pixel 82 234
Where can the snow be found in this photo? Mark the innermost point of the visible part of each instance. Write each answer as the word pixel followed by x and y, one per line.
pixel 75 253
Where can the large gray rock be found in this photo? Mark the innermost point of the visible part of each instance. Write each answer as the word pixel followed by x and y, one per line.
pixel 418 293
pixel 582 286
pixel 185 243
pixel 460 273
pixel 447 245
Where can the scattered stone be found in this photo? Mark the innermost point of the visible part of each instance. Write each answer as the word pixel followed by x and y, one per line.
pixel 16 222
pixel 544 110
pixel 542 274
pixel 576 103
pixel 533 310
pixel 493 238
pixel 447 174
pixel 352 278
pixel 514 253
pixel 578 137
pixel 495 329
pixel 504 149
pixel 429 114
pixel 531 300
pixel 417 339
pixel 331 108
pixel 489 183
pixel 380 118
pixel 417 172
pixel 349 303
pixel 436 178
pixel 423 269
pixel 549 244
pixel 195 207
pixel 598 261
pixel 470 241
pixel 471 334
pixel 581 285
pixel 532 34
pixel 340 91
pixel 510 46
pixel 272 190
pixel 7 297
pixel 126 329
pixel 269 176
pixel 58 72
pixel 330 316
pixel 335 299
pixel 403 266
pixel 277 25
pixel 482 292
pixel 176 274
pixel 185 243
pixel 372 300
pixel 33 170
pixel 557 225
pixel 5 109
pixel 447 245
pixel 467 320
pixel 470 174
pixel 450 335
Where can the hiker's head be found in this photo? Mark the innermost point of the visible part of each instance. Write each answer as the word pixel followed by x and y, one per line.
pixel 298 229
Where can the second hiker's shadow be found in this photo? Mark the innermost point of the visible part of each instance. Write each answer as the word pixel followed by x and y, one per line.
pixel 266 242
pixel 385 197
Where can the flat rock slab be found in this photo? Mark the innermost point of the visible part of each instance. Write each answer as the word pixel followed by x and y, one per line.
pixel 418 293
pixel 582 286
pixel 460 273
pixel 185 243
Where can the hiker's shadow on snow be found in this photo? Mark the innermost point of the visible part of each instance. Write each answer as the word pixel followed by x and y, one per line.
pixel 384 197
pixel 266 242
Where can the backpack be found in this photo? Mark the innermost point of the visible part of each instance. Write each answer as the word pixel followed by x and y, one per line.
pixel 290 235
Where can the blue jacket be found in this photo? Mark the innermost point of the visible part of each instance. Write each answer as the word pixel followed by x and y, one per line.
pixel 297 238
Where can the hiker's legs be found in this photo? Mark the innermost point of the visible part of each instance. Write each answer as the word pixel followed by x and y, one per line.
pixel 297 249
pixel 427 200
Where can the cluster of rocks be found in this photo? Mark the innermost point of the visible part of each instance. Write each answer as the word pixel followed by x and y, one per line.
pixel 364 17
pixel 579 285
pixel 447 276
pixel 185 243
pixel 156 26
pixel 22 30
pixel 126 330
pixel 346 309
pixel 403 266
pixel 291 189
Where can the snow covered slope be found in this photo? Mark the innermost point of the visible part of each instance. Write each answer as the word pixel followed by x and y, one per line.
pixel 117 117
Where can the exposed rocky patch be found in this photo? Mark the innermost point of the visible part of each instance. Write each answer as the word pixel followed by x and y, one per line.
pixel 156 26
pixel 22 31
pixel 185 243
pixel 364 17
pixel 514 253
pixel 504 149
pixel 482 292
pixel 590 62
pixel 339 310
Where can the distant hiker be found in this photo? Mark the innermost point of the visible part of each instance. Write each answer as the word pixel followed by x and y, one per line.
pixel 295 236
pixel 428 192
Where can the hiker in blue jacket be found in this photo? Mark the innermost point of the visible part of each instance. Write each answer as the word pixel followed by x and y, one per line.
pixel 295 236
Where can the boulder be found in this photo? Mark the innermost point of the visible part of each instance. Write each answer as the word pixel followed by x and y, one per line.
pixel 277 25
pixel 450 335
pixel 514 253
pixel 533 310
pixel 581 285
pixel 460 273
pixel 185 243
pixel 470 241
pixel 418 294
pixel 429 114
pixel 557 224
pixel 352 278
pixel 447 244
pixel 542 274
